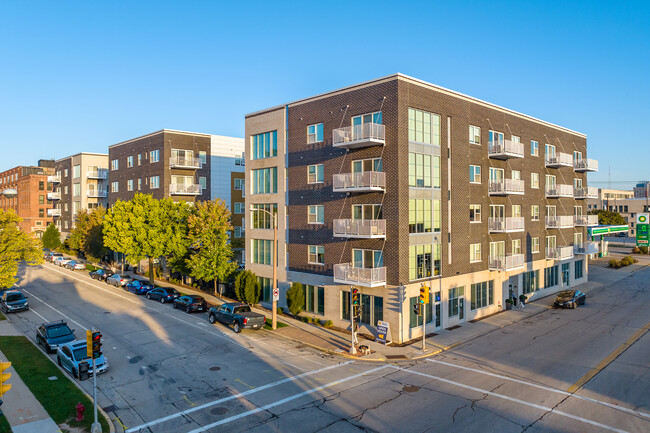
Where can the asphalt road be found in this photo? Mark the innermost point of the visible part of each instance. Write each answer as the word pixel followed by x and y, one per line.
pixel 174 372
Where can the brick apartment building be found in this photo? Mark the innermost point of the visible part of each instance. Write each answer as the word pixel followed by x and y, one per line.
pixel 395 184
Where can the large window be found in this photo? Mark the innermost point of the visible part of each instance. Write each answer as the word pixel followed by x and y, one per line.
pixel 420 174
pixel 367 258
pixel 315 133
pixel 76 190
pixel 367 118
pixel 424 261
pixel 370 164
pixel 415 320
pixel 262 251
pixel 578 269
pixel 261 219
pixel 475 174
pixel 424 127
pixel 366 211
pixel 266 288
pixel 474 134
pixel 420 216
pixel 372 308
pixel 455 302
pixel 316 214
pixel 314 299
pixel 315 173
pixel 264 145
pixel 76 171
pixel 265 180
pixel 482 294
pixel 531 282
pixel 550 277
pixel 316 255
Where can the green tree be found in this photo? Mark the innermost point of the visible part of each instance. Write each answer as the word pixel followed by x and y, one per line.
pixel 247 288
pixel 606 217
pixel 87 235
pixel 210 254
pixel 51 237
pixel 296 298
pixel 15 245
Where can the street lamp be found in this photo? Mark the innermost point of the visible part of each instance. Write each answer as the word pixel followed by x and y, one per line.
pixel 274 216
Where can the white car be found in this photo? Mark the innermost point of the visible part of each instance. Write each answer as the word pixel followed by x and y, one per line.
pixel 63 261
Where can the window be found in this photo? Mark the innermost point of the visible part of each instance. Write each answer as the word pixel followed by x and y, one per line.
pixel 367 258
pixel 41 199
pixel 264 145
pixel 115 186
pixel 65 172
pixel 265 288
pixel 262 251
pixel 76 171
pixel 239 184
pixel 550 277
pixel 367 118
pixel 237 232
pixel 41 213
pixel 534 245
pixel 139 158
pixel 534 212
pixel 474 174
pixel 366 211
pixel 240 161
pixel 265 180
pixel 578 269
pixel 423 260
pixel 370 164
pixel 549 151
pixel 316 255
pixel 419 216
pixel 261 219
pixel 577 156
pixel 534 148
pixel 115 164
pixel 41 186
pixel 315 133
pixel 474 134
pixel 65 207
pixel 316 214
pixel 531 282
pixel 203 182
pixel 475 213
pixel 139 184
pixel 154 156
pixel 76 190
pixel 203 157
pixel 482 294
pixel 315 173
pixel 314 299
pixel 65 189
pixel 240 208
pixel 455 302
pixel 129 161
pixel 129 185
pixel 550 182
pixel 516 246
pixel 420 173
pixel 534 180
pixel 516 210
pixel 154 182
pixel 577 238
pixel 424 127
pixel 372 307
pixel 474 253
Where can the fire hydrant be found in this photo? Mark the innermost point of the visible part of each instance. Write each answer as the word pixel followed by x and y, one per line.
pixel 80 411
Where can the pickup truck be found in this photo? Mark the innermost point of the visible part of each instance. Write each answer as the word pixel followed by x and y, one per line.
pixel 238 315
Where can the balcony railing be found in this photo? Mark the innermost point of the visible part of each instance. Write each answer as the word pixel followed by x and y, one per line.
pixel 506 186
pixel 101 173
pixel 585 220
pixel 54 196
pixel 506 263
pixel 365 135
pixel 357 228
pixel 506 225
pixel 505 149
pixel 585 192
pixel 54 179
pixel 559 160
pixel 346 273
pixel 559 253
pixel 560 190
pixel 582 165
pixel 96 193
pixel 183 162
pixel 585 248
pixel 559 222
pixel 54 212
pixel 360 182
pixel 183 189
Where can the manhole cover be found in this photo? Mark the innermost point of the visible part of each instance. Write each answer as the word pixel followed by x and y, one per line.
pixel 411 388
pixel 219 411
pixel 214 368
pixel 135 359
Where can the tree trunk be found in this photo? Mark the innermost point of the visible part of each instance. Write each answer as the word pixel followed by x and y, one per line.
pixel 150 270
pixel 215 287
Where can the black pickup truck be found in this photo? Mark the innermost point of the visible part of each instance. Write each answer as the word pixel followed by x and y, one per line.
pixel 238 315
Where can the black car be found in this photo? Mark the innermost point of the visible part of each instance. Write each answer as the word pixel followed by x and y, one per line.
pixel 100 274
pixel 12 301
pixel 163 294
pixel 570 298
pixel 191 303
pixel 52 335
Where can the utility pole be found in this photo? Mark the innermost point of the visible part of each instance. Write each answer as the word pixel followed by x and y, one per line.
pixel 353 349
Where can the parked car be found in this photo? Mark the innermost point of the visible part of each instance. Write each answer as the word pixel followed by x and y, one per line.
pixel 52 335
pixel 118 280
pixel 570 298
pixel 163 294
pixel 12 301
pixel 75 265
pixel 53 255
pixel 138 287
pixel 100 274
pixel 238 315
pixel 57 259
pixel 63 261
pixel 70 355
pixel 191 303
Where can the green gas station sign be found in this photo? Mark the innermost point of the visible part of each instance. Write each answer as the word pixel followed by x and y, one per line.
pixel 642 225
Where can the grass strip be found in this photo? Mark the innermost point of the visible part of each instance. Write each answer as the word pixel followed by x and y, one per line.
pixel 269 323
pixel 59 397
pixel 4 424
pixel 2 317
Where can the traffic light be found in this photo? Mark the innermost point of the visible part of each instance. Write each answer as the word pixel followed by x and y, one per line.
pixel 416 309
pixel 424 295
pixel 4 387
pixel 97 344
pixel 89 344
pixel 356 305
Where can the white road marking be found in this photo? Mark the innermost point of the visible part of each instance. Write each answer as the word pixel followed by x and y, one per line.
pixel 34 311
pixel 233 397
pixel 546 388
pixel 514 400
pixel 45 303
pixel 286 400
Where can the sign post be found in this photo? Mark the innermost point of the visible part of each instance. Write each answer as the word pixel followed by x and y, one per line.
pixel 642 232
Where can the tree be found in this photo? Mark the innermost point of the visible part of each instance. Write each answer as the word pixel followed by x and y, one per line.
pixel 87 235
pixel 51 237
pixel 606 217
pixel 15 245
pixel 247 288
pixel 210 253
pixel 295 298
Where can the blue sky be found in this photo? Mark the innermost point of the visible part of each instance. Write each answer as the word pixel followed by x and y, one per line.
pixel 80 76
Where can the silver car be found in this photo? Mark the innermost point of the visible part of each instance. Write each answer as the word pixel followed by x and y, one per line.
pixel 70 355
pixel 118 280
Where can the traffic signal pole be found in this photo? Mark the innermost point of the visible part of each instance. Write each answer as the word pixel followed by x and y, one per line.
pixel 96 427
pixel 353 349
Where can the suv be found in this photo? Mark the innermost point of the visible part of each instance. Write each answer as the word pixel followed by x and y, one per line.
pixel 70 355
pixel 51 335
pixel 12 301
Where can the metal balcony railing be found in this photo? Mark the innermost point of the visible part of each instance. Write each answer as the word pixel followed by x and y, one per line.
pixel 506 186
pixel 561 159
pixel 559 222
pixel 505 149
pixel 101 173
pixel 183 189
pixel 54 179
pixel 96 193
pixel 346 273
pixel 585 192
pixel 506 225
pixel 54 196
pixel 183 162
pixel 506 263
pixel 352 137
pixel 559 253
pixel 560 190
pixel 585 220
pixel 359 182
pixel 586 248
pixel 356 228
pixel 582 165
pixel 54 212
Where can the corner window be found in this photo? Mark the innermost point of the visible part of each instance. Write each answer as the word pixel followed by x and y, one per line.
pixel 424 127
pixel 316 214
pixel 315 173
pixel 264 145
pixel 474 134
pixel 316 255
pixel 315 133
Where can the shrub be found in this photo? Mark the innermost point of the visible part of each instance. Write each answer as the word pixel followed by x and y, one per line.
pixel 280 310
pixel 328 324
pixel 627 260
pixel 644 250
pixel 247 288
pixel 295 298
pixel 90 267
pixel 305 319
pixel 613 263
pixel 636 250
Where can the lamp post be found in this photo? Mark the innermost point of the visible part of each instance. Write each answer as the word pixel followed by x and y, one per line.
pixel 274 216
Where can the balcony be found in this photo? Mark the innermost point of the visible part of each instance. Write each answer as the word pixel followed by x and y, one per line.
pixel 560 190
pixel 559 253
pixel 559 222
pixel 357 136
pixel 346 273
pixel 365 181
pixel 585 192
pixel 505 150
pixel 585 248
pixel 96 193
pixel 559 160
pixel 101 173
pixel 182 189
pixel 506 225
pixel 54 179
pixel 54 196
pixel 183 162
pixel 585 220
pixel 54 212
pixel 506 187
pixel 582 165
pixel 363 229
pixel 506 263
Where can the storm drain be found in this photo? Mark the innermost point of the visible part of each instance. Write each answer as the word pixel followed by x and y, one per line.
pixel 396 357
pixel 410 388
pixel 214 368
pixel 451 328
pixel 219 411
pixel 110 408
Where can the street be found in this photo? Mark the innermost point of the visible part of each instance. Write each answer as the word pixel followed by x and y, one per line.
pixel 174 372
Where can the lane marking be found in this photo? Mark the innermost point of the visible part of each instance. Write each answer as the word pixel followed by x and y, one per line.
pixel 118 420
pixel 241 381
pixel 236 396
pixel 188 400
pixel 286 400
pixel 546 388
pixel 609 359
pixel 34 311
pixel 45 303
pixel 514 400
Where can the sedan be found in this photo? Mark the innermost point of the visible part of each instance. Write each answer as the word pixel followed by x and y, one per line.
pixel 570 298
pixel 12 301
pixel 52 335
pixel 118 280
pixel 75 265
pixel 163 294
pixel 138 287
pixel 191 303
pixel 52 255
pixel 63 261
pixel 100 274
pixel 70 355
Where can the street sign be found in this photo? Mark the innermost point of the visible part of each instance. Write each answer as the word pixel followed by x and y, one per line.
pixel 276 294
pixel 642 230
pixel 383 330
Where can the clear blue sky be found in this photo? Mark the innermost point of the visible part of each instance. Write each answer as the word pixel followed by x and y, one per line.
pixel 80 76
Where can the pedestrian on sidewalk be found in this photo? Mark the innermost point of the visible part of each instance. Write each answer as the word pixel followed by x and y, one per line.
pixel 522 301
pixel 356 331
